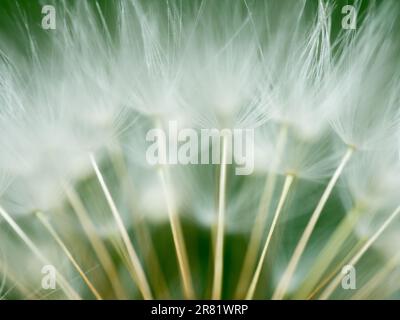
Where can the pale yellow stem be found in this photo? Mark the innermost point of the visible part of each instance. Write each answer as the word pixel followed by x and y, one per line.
pixel 378 279
pixel 62 245
pixel 68 290
pixel 261 219
pixel 175 224
pixel 139 272
pixel 14 280
pixel 285 191
pixel 141 229
pixel 97 244
pixel 331 275
pixel 289 272
pixel 177 234
pixel 219 244
pixel 335 282
pixel 329 252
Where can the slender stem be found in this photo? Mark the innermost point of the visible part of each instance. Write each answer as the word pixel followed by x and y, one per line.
pixel 366 290
pixel 177 234
pixel 175 224
pixel 335 282
pixel 392 289
pixel 219 244
pixel 261 218
pixel 285 191
pixel 140 275
pixel 256 237
pixel 158 279
pixel 331 275
pixel 141 229
pixel 288 274
pixel 68 290
pixel 12 278
pixel 57 238
pixel 329 251
pixel 97 244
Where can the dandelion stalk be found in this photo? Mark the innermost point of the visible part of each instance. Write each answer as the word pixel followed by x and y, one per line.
pixel 140 275
pixel 158 279
pixel 289 272
pixel 175 224
pixel 177 234
pixel 330 250
pixel 331 275
pixel 285 191
pixel 68 290
pixel 62 245
pixel 219 243
pixel 97 244
pixel 377 279
pixel 14 279
pixel 140 227
pixel 335 282
pixel 260 220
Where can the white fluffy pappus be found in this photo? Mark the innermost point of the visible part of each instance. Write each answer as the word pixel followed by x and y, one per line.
pixel 108 77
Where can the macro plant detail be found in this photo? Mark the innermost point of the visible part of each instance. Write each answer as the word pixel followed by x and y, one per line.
pixel 199 149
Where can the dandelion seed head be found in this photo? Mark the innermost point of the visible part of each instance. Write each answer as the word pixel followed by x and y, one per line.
pixel 104 78
pixel 198 202
pixel 372 179
pixel 297 61
pixel 284 151
pixel 364 89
